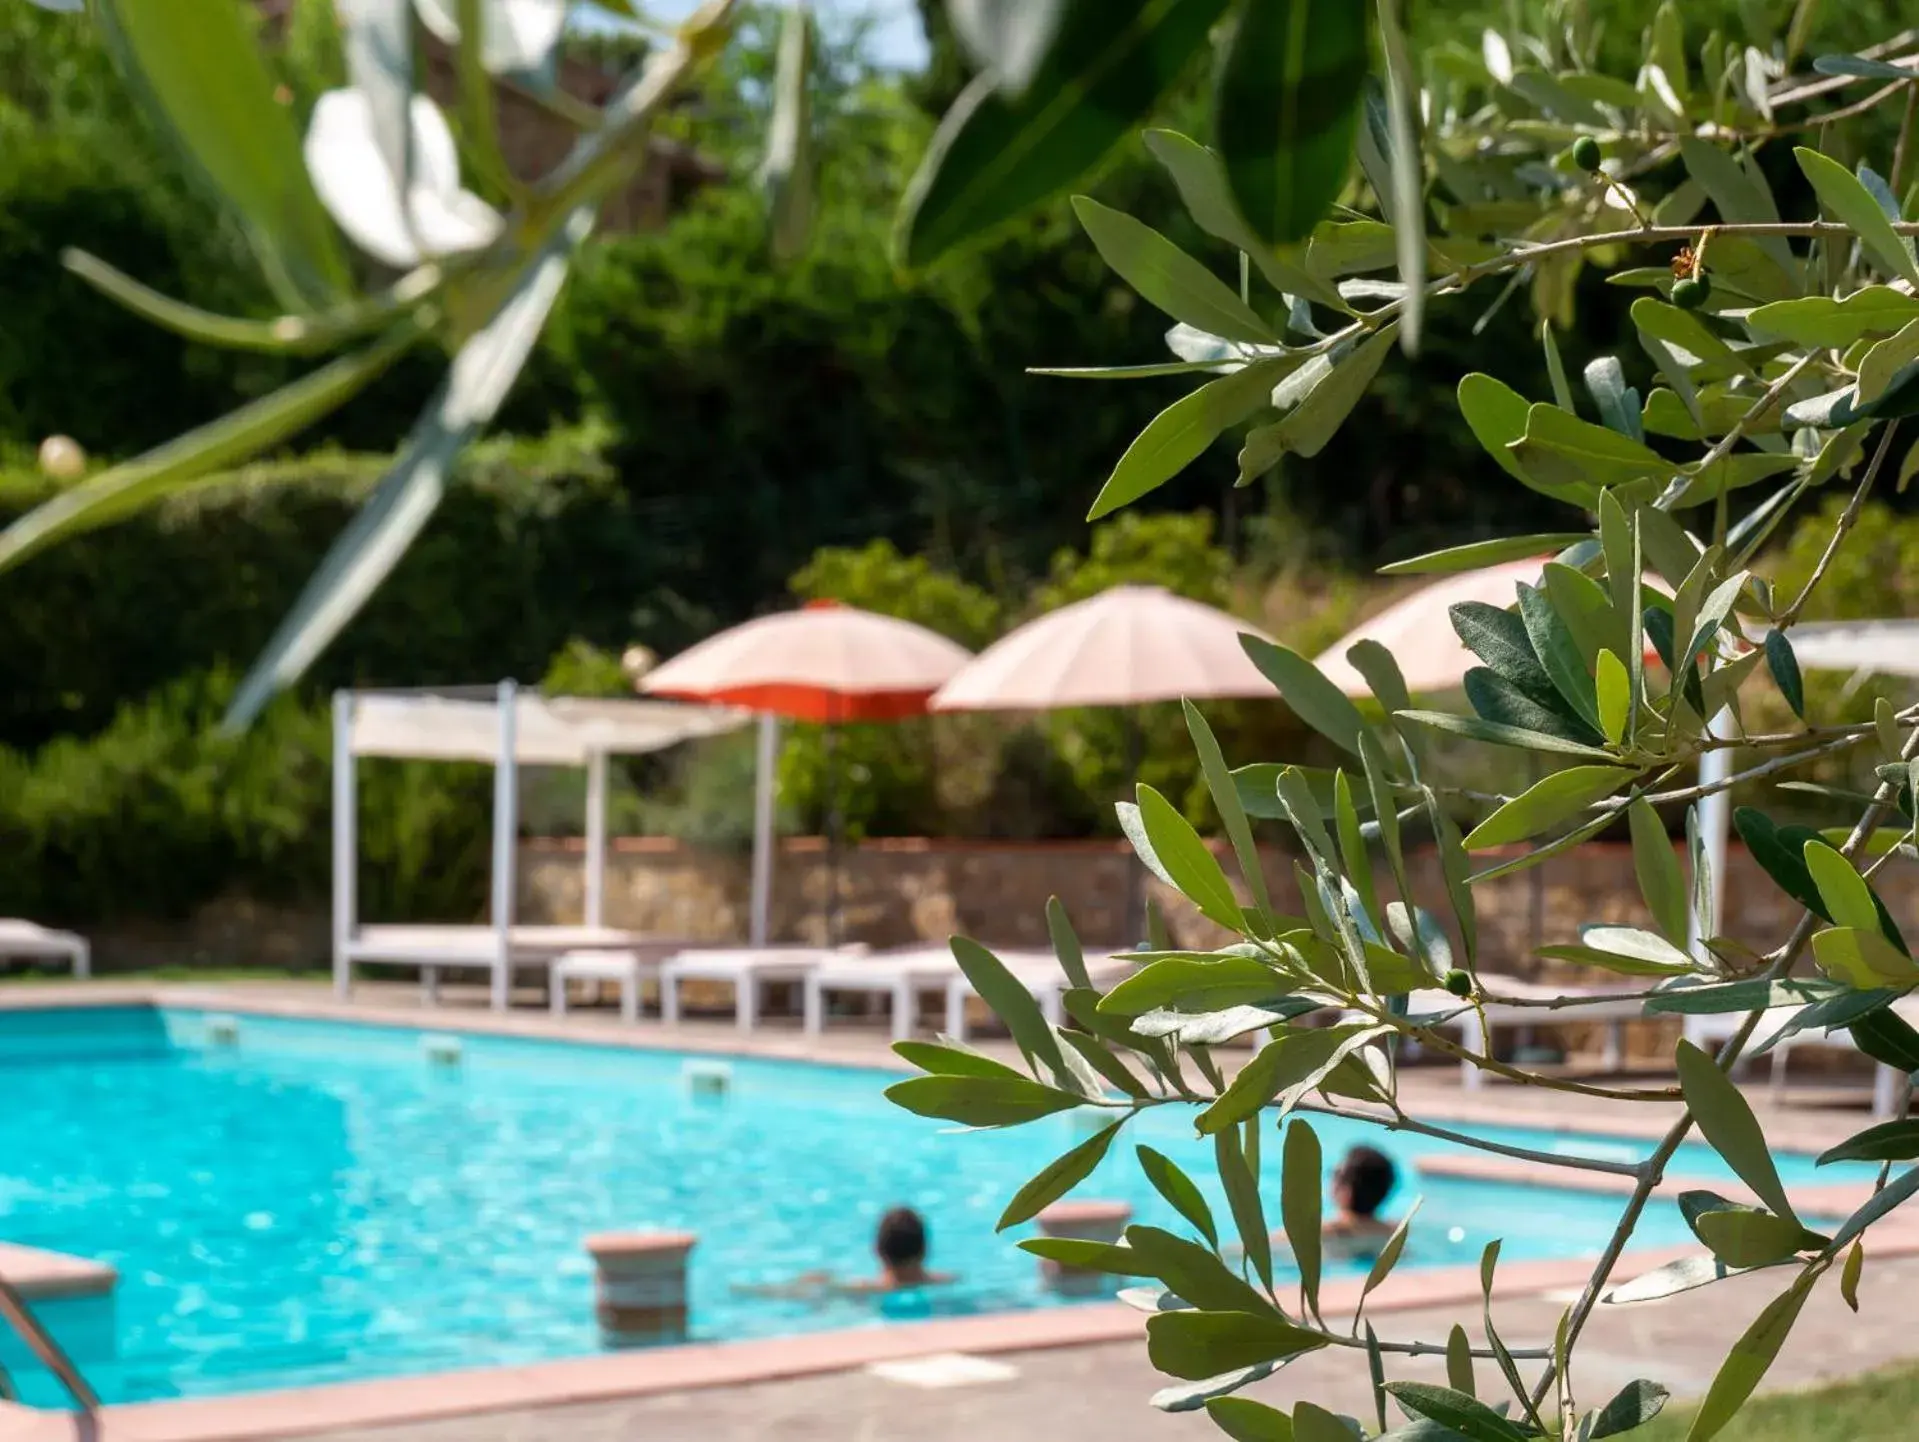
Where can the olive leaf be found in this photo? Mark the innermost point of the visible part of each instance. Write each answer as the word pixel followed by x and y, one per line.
pixel 202 72
pixel 1727 1123
pixel 1846 197
pixel 1309 425
pixel 1286 110
pixel 1180 434
pixel 1059 1177
pixel 1750 1359
pixel 1167 276
pixel 1547 802
pixel 994 155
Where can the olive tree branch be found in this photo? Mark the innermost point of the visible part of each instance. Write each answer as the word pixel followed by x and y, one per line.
pixel 1849 112
pixel 1427 1036
pixel 1755 412
pixel 1847 520
pixel 1572 1001
pixel 1905 136
pixel 1751 773
pixel 1524 255
pixel 1637 235
pixel 1399 1121
pixel 1437 1349
pixel 1767 739
pixel 1842 737
pixel 1884 50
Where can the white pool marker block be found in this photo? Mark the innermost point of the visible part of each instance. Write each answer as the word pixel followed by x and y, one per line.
pixel 223 1030
pixel 442 1050
pixel 709 1080
pixel 943 1369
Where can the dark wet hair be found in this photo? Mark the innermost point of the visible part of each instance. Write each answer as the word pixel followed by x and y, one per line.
pixel 901 1239
pixel 1369 1176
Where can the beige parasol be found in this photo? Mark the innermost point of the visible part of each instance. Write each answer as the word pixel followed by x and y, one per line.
pixel 1418 630
pixel 1127 646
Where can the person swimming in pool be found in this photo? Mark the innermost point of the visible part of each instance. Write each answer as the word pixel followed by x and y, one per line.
pixel 900 1244
pixel 1363 1180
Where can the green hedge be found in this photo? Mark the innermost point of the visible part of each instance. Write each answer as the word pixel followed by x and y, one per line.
pixel 535 544
pixel 161 812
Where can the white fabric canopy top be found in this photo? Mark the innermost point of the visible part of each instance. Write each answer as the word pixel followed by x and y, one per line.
pixel 1886 648
pixel 1124 647
pixel 547 731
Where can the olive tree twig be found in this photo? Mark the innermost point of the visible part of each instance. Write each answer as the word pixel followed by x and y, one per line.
pixel 1397 1121
pixel 1755 412
pixel 1847 520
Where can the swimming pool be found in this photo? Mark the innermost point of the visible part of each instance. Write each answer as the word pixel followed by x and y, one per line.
pixel 320 1202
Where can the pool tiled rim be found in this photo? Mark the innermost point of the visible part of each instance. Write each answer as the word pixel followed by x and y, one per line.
pixel 289 1413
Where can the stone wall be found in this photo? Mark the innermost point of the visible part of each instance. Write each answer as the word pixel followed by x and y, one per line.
pixel 894 892
pixel 231 932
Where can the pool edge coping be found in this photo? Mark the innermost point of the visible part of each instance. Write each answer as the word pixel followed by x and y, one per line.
pixel 275 1415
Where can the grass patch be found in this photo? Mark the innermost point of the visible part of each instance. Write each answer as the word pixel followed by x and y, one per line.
pixel 1878 1407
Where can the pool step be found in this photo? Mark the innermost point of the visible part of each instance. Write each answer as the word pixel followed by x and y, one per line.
pixel 40 1275
pixel 72 1298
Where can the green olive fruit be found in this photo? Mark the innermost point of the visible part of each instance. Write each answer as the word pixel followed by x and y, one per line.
pixel 1691 293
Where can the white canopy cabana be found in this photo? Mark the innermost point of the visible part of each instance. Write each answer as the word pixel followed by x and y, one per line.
pixel 1884 648
pixel 501 727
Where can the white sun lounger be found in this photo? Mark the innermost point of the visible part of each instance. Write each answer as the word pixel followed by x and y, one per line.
pixel 902 976
pixel 746 969
pixel 905 975
pixel 628 968
pixel 1885 1079
pixel 29 941
pixel 434 949
pixel 1040 972
pixel 1598 1004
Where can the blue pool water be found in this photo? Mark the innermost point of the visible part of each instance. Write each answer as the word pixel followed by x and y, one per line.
pixel 319 1202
